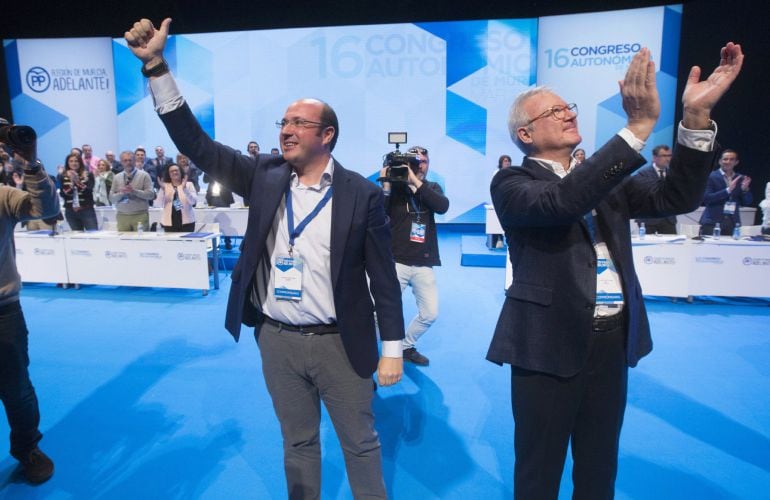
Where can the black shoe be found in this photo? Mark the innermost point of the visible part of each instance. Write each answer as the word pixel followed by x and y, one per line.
pixel 37 467
pixel 415 357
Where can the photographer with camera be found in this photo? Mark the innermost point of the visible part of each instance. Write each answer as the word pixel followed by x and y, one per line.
pixel 38 201
pixel 411 202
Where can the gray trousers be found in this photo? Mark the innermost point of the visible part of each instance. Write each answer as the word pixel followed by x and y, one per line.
pixel 301 371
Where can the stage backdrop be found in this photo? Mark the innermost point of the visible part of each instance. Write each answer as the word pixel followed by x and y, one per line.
pixel 449 85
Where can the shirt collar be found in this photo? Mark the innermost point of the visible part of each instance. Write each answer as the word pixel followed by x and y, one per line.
pixel 555 166
pixel 326 177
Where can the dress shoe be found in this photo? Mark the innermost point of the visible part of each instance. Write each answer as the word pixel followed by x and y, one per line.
pixel 413 356
pixel 36 465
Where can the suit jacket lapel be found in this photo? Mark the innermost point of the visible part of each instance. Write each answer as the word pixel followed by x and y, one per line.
pixel 343 204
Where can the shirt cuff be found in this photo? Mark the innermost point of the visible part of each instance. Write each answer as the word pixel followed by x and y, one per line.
pixel 392 349
pixel 631 139
pixel 165 94
pixel 700 140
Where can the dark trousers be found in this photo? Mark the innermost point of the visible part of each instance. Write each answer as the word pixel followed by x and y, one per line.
pixel 16 390
pixel 81 220
pixel 301 371
pixel 586 409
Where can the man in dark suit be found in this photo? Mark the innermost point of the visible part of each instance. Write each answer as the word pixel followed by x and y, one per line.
pixel 726 193
pixel 573 319
pixel 657 172
pixel 314 316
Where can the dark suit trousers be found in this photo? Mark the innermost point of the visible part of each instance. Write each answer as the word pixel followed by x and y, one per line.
pixel 586 408
pixel 301 371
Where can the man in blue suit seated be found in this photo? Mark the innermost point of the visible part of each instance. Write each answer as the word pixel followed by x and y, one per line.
pixel 315 233
pixel 574 320
pixel 726 192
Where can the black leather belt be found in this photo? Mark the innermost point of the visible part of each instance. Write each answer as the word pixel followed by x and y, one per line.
pixel 321 329
pixel 607 323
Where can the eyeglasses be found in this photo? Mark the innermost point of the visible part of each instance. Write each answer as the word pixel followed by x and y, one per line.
pixel 557 112
pixel 298 122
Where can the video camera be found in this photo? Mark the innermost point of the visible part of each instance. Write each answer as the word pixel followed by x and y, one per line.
pixel 20 138
pixel 398 162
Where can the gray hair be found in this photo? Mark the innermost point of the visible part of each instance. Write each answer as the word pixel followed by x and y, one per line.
pixel 518 117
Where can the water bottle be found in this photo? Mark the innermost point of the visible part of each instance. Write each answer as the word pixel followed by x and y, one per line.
pixel 737 231
pixel 642 231
pixel 717 231
pixel 140 229
pixel 159 231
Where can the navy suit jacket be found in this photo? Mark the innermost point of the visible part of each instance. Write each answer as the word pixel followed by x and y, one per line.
pixel 360 240
pixel 546 321
pixel 650 173
pixel 716 196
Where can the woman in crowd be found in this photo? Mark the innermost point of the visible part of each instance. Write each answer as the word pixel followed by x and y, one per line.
pixel 503 162
pixel 77 185
pixel 189 170
pixel 177 197
pixel 103 183
pixel 579 155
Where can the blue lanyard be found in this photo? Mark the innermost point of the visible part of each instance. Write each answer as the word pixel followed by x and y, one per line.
pixel 295 232
pixel 415 208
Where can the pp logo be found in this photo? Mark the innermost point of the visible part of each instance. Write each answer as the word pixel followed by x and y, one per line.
pixel 747 261
pixel 648 259
pixel 38 79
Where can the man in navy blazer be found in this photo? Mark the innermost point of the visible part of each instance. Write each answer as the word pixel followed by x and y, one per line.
pixel 726 192
pixel 315 233
pixel 574 320
pixel 658 171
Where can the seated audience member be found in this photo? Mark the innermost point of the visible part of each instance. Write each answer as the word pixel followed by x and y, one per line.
pixel 189 170
pixel 764 205
pixel 726 192
pixel 102 183
pixel 177 197
pixel 219 196
pixel 77 185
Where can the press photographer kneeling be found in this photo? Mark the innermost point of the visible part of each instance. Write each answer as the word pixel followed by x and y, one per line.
pixel 411 202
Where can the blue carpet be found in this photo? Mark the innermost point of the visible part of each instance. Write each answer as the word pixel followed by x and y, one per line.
pixel 144 395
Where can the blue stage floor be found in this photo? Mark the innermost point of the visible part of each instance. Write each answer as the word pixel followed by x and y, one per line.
pixel 144 395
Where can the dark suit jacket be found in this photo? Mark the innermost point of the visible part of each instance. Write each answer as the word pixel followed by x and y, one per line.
pixel 546 321
pixel 360 240
pixel 716 196
pixel 665 225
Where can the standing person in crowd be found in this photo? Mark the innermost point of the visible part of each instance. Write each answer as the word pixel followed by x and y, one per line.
pixel 189 170
pixel 90 161
pixel 16 390
pixel 316 334
pixel 412 206
pixel 657 173
pixel 130 194
pixel 161 162
pixel 77 184
pixel 726 192
pixel 275 151
pixel 503 162
pixel 142 163
pixel 115 165
pixel 252 149
pixel 573 319
pixel 103 183
pixel 177 197
pixel 579 155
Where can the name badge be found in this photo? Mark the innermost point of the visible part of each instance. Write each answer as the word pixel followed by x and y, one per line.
pixel 418 233
pixel 730 208
pixel 177 205
pixel 607 284
pixel 287 274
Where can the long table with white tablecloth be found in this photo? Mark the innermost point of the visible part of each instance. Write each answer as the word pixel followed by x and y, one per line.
pixel 170 260
pixel 678 267
pixel 232 221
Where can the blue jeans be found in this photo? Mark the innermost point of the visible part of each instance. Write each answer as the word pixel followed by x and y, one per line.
pixel 16 390
pixel 82 220
pixel 423 283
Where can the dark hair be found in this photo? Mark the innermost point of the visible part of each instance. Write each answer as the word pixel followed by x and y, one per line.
pixel 722 153
pixel 661 147
pixel 252 142
pixel 140 149
pixel 167 173
pixel 81 166
pixel 500 161
pixel 329 119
